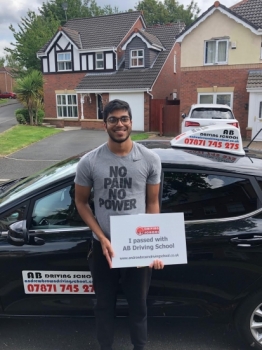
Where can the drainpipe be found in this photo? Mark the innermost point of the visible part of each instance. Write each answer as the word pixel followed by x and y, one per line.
pixel 150 94
pixel 82 99
pixel 115 51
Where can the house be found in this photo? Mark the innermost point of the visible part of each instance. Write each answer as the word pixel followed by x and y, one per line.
pixel 221 62
pixel 91 61
pixel 7 80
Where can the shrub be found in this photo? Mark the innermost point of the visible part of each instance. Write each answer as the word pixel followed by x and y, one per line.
pixel 22 116
pixel 40 116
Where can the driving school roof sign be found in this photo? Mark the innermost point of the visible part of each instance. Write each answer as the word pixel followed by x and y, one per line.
pixel 223 138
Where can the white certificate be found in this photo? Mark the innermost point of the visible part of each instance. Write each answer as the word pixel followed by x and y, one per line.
pixel 138 240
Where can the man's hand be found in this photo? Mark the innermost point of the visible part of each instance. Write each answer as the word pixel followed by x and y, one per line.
pixel 157 264
pixel 107 250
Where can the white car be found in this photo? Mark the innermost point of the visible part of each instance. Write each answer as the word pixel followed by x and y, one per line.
pixel 208 114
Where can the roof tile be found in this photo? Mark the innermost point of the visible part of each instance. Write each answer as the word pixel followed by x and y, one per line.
pixel 254 79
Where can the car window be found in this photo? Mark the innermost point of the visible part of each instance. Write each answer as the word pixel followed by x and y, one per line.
pixel 207 196
pixel 56 209
pixel 13 215
pixel 211 113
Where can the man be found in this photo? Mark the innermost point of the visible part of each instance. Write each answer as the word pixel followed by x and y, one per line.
pixel 125 177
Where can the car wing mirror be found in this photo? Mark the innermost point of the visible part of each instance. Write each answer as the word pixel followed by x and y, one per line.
pixel 18 233
pixel 183 115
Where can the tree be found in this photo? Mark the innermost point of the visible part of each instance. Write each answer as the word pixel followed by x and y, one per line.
pixel 170 11
pixel 29 91
pixel 2 61
pixel 154 11
pixel 34 32
pixel 74 9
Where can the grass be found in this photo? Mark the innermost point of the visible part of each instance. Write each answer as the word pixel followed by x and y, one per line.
pixel 2 101
pixel 21 136
pixel 140 136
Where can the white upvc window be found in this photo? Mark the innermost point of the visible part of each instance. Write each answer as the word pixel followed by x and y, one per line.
pixel 225 98
pixel 137 58
pixel 66 106
pixel 216 52
pixel 99 60
pixel 64 61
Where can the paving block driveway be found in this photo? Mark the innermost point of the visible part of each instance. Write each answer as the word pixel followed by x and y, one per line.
pixel 49 151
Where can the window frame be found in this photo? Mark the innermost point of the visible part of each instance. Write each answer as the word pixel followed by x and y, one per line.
pixel 214 94
pixel 67 105
pixel 98 60
pixel 137 57
pixel 216 62
pixel 260 110
pixel 64 61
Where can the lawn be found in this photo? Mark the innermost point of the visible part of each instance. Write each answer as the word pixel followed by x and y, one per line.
pixel 21 136
pixel 2 101
pixel 140 136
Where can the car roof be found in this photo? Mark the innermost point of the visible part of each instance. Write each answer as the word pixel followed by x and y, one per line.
pixel 250 163
pixel 210 105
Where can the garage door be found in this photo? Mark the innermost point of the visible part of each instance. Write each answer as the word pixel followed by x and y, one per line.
pixel 136 102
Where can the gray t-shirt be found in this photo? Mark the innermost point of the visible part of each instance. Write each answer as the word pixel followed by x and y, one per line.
pixel 119 183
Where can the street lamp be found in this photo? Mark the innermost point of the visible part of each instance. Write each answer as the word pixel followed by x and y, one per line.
pixel 65 7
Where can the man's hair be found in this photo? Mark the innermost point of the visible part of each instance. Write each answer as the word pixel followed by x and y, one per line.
pixel 116 105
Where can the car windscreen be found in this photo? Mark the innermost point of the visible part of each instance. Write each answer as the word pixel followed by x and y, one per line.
pixel 39 180
pixel 212 113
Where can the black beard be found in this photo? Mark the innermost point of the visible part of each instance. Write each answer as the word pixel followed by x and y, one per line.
pixel 116 140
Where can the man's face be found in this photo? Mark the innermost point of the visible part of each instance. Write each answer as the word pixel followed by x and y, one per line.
pixel 118 130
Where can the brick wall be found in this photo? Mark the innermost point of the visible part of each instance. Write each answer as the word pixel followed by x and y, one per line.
pixel 204 77
pixel 168 81
pixel 61 81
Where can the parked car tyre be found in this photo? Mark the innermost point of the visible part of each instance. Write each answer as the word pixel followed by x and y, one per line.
pixel 249 320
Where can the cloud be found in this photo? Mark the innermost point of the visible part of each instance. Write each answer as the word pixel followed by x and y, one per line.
pixel 11 13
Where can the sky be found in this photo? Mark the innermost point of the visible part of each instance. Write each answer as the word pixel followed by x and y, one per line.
pixel 11 12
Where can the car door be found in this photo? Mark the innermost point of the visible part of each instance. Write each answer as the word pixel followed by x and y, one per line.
pixel 223 224
pixel 49 273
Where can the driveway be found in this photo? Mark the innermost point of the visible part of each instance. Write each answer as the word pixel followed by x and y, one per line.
pixel 49 151
pixel 7 114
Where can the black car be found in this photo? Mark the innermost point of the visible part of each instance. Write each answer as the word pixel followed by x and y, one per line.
pixel 44 242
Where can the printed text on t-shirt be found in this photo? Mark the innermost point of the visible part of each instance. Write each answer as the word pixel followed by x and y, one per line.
pixel 117 184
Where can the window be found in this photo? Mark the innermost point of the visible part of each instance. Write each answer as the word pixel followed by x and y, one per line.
pixel 66 106
pixel 211 113
pixel 260 110
pixel 64 61
pixel 56 210
pixel 216 51
pixel 221 98
pixel 207 196
pixel 99 60
pixel 137 58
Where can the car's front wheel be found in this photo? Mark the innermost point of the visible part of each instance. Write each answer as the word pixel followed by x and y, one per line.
pixel 248 320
